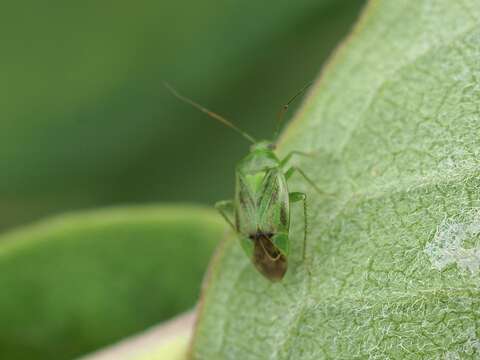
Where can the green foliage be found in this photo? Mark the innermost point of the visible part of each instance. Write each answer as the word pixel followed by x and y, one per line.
pixel 395 120
pixel 77 282
pixel 86 122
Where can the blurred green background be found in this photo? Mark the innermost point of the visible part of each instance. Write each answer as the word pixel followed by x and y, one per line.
pixel 86 123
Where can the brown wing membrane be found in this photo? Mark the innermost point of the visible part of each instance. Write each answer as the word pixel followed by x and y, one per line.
pixel 267 258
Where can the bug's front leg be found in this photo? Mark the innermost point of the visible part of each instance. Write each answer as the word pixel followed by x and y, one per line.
pixel 295 197
pixel 225 208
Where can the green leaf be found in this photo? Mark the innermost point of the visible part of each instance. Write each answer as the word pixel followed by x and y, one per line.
pixel 77 282
pixel 395 120
pixel 166 341
pixel 175 349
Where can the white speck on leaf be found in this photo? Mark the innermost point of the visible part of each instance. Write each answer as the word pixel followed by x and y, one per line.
pixel 448 245
pixel 452 356
pixel 470 347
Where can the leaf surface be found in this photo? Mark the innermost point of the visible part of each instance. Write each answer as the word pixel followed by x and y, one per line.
pixel 395 254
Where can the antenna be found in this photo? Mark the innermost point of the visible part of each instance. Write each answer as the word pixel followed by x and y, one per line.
pixel 209 113
pixel 284 109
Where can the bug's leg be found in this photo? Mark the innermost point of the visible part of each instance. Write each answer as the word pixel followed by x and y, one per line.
pixel 225 208
pixel 292 170
pixel 295 197
pixel 287 158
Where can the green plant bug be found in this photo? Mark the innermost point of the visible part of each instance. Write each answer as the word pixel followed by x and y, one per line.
pixel 260 210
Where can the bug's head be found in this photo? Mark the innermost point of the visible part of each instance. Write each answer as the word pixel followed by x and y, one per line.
pixel 264 145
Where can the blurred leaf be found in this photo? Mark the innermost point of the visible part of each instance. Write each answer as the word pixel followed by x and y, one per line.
pixel 87 122
pixel 175 349
pixel 74 283
pixel 167 341
pixel 395 266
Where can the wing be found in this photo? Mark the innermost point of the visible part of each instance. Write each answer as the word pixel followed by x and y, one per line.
pixel 266 257
pixel 245 206
pixel 273 207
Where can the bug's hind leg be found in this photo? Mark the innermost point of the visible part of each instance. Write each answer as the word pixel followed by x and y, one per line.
pixel 295 197
pixel 225 208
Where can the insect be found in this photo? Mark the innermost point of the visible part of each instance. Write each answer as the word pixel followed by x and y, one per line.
pixel 260 210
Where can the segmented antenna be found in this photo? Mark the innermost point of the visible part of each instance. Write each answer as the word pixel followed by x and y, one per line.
pixel 284 109
pixel 209 113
